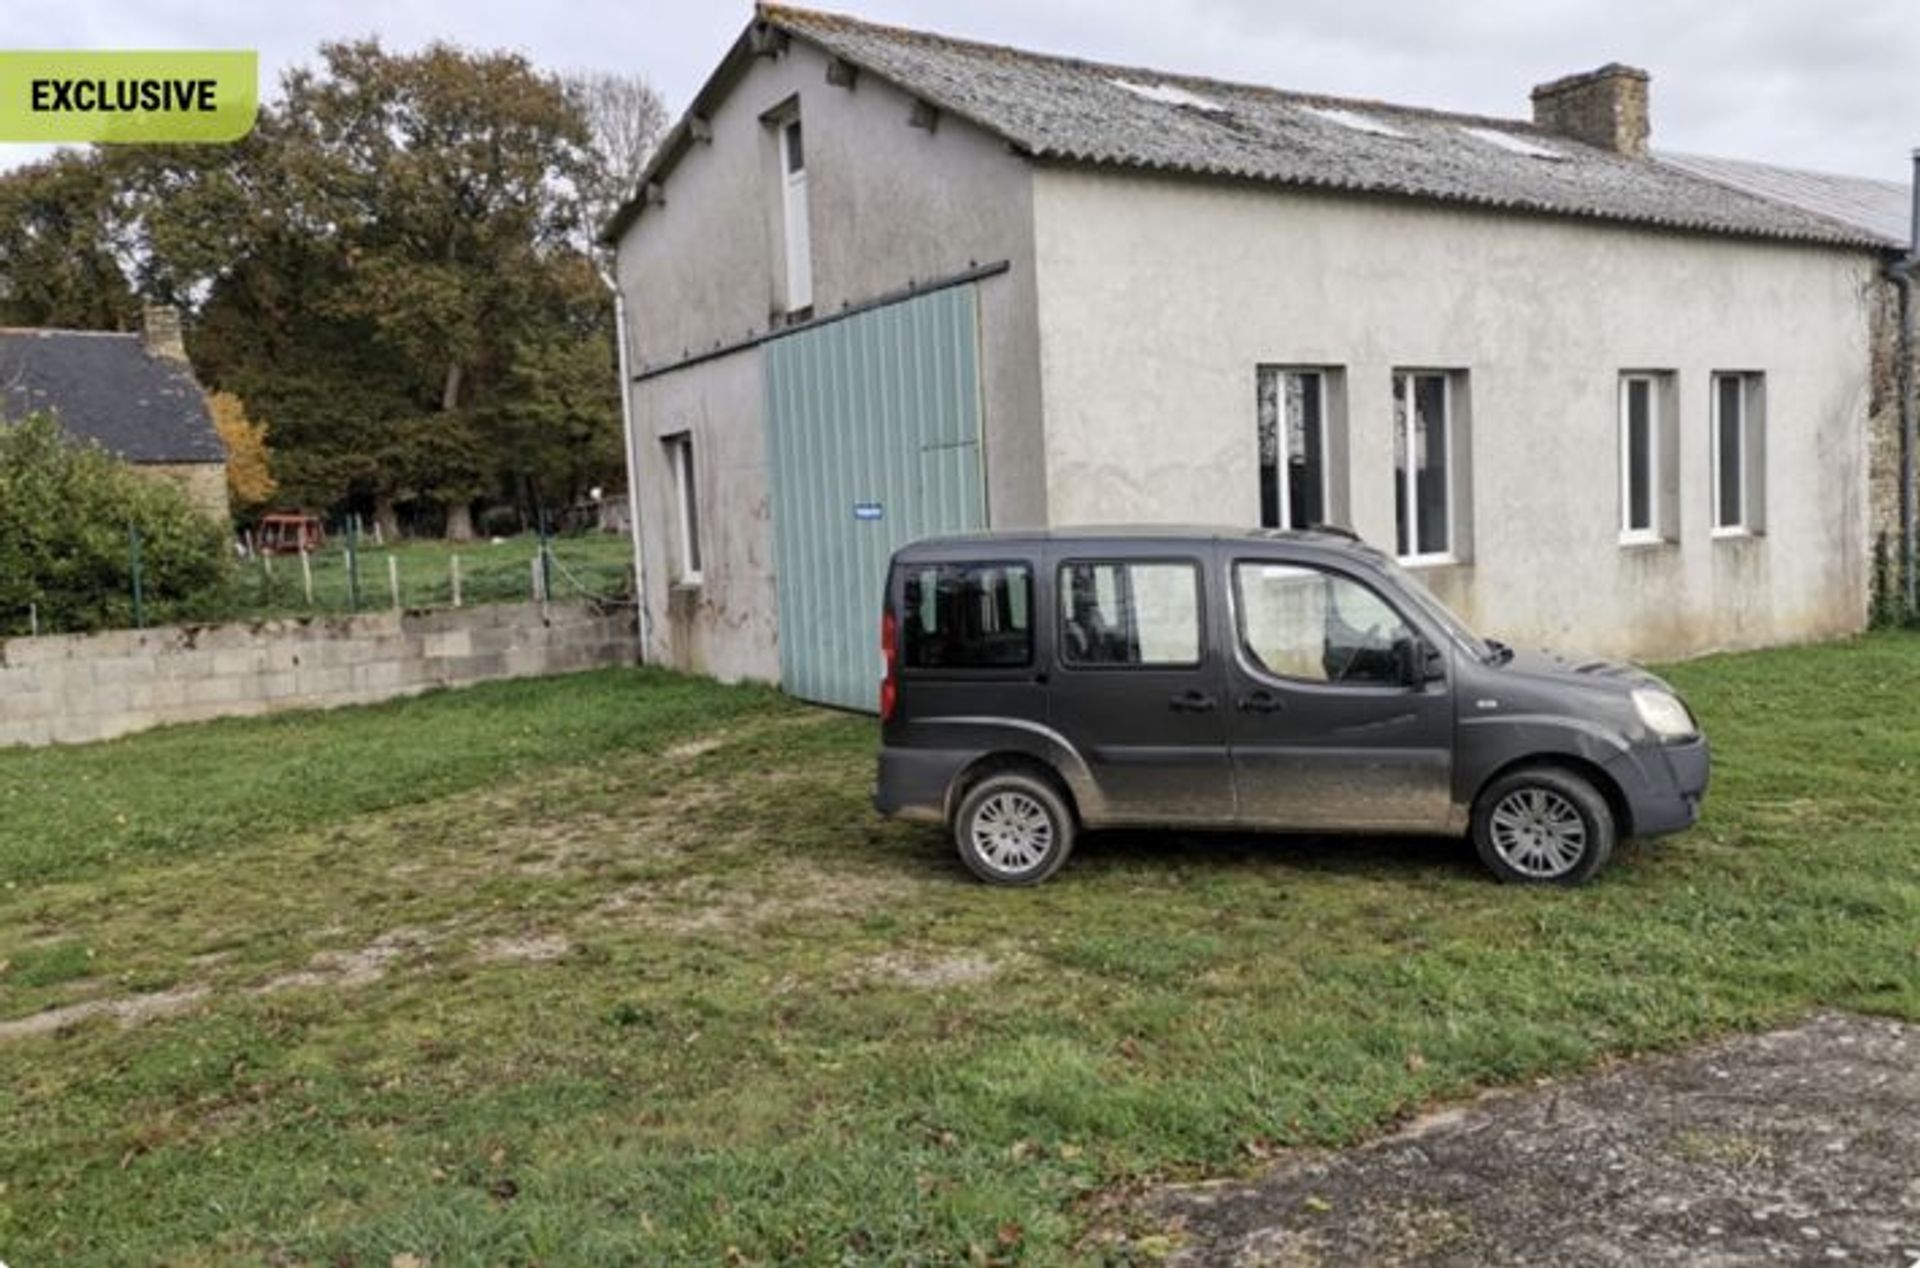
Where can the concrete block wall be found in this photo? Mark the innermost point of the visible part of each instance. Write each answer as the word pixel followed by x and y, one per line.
pixel 74 688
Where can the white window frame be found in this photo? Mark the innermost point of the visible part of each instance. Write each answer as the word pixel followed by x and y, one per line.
pixel 1746 380
pixel 1284 456
pixel 686 498
pixel 796 226
pixel 1653 533
pixel 1407 496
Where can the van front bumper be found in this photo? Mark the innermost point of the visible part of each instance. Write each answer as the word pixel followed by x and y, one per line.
pixel 1663 785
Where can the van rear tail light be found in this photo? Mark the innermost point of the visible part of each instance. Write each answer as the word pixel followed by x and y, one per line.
pixel 890 656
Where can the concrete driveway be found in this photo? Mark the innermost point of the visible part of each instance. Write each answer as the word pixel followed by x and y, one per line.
pixel 1801 1146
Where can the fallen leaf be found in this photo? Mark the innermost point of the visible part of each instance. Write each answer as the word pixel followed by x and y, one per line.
pixel 1010 1234
pixel 1315 1202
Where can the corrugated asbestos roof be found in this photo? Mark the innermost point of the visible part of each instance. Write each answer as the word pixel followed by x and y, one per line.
pixel 1883 209
pixel 105 388
pixel 1073 111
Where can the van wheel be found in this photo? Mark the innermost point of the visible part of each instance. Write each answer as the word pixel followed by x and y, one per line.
pixel 1013 829
pixel 1543 826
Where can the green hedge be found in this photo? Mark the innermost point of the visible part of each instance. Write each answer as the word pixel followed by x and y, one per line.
pixel 65 514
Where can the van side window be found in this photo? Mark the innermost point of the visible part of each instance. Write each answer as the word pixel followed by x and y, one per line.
pixel 1130 613
pixel 1297 621
pixel 968 616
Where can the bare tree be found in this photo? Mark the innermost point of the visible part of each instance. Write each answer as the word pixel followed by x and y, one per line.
pixel 625 117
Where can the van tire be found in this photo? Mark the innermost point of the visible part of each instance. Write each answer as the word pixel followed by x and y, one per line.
pixel 1543 825
pixel 1013 828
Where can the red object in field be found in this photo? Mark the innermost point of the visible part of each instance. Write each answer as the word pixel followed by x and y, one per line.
pixel 889 653
pixel 289 534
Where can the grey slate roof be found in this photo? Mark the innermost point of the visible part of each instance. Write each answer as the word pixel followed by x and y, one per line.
pixel 1067 110
pixel 1883 209
pixel 105 388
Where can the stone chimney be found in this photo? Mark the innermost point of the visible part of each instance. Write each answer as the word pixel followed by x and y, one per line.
pixel 160 333
pixel 1605 107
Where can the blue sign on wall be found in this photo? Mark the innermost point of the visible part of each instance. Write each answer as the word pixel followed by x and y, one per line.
pixel 867 511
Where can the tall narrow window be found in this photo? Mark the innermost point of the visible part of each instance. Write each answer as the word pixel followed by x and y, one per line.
pixel 1639 459
pixel 1294 458
pixel 687 500
pixel 1423 458
pixel 799 237
pixel 1737 452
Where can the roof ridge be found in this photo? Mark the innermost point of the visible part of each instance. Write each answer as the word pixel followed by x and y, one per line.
pixel 793 16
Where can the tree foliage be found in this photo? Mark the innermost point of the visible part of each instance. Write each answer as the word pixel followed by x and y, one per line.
pixel 250 481
pixel 61 238
pixel 65 511
pixel 393 271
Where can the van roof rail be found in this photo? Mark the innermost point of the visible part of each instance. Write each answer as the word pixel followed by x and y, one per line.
pixel 1334 530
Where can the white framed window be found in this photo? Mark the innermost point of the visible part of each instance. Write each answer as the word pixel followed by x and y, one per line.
pixel 1739 446
pixel 1640 459
pixel 687 507
pixel 1425 465
pixel 1295 409
pixel 793 207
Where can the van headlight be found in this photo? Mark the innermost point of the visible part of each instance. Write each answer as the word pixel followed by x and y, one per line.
pixel 1664 715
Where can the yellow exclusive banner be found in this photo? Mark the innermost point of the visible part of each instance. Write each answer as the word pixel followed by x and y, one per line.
pixel 125 97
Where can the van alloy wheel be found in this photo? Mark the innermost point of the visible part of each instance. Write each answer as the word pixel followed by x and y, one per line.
pixel 1012 832
pixel 1538 833
pixel 1014 827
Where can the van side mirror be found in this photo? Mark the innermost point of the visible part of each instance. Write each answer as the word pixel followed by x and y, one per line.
pixel 1420 661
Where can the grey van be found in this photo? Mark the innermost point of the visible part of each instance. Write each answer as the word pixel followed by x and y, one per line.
pixel 1041 683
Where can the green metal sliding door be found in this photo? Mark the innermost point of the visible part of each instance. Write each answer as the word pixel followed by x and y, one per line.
pixel 874 434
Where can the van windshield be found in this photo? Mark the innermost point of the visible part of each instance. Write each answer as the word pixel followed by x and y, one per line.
pixel 1439 613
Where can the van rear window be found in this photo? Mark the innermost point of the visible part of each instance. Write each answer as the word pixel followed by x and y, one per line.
pixel 967 616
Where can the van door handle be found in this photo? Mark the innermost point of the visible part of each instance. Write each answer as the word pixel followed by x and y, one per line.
pixel 1261 702
pixel 1193 702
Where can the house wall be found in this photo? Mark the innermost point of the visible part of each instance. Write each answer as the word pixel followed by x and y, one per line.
pixel 1159 297
pixel 891 206
pixel 204 483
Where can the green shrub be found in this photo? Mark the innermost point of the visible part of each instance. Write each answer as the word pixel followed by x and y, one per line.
pixel 65 514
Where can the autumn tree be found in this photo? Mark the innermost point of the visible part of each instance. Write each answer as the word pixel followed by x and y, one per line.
pixel 250 479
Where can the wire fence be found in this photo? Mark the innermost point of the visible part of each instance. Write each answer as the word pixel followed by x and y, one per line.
pixel 353 574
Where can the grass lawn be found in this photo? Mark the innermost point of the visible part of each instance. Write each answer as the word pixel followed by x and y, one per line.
pixel 620 968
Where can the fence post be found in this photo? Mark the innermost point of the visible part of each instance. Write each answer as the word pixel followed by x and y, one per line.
pixel 455 566
pixel 546 559
pixel 393 579
pixel 306 573
pixel 133 560
pixel 353 563
pixel 33 620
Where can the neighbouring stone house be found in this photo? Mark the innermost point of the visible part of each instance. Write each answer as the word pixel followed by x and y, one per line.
pixel 882 283
pixel 134 394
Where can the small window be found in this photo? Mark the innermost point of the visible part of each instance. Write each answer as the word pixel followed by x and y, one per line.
pixel 1642 441
pixel 1423 465
pixel 796 154
pixel 1739 404
pixel 1295 458
pixel 1298 621
pixel 796 226
pixel 968 616
pixel 1130 614
pixel 687 498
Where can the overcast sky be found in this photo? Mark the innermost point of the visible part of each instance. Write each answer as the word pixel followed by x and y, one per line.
pixel 1826 84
